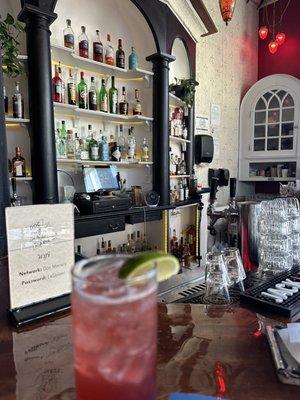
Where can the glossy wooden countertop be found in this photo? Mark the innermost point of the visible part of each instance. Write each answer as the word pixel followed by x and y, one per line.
pixel 212 350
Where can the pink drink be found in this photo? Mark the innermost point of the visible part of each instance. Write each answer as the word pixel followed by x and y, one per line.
pixel 114 332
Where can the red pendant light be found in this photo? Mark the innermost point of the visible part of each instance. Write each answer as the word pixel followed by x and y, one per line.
pixel 280 38
pixel 227 9
pixel 273 47
pixel 263 32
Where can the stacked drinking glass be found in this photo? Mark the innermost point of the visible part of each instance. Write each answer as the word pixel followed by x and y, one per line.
pixel 279 235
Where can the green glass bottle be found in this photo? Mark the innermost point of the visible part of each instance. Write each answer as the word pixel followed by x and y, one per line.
pixel 63 131
pixel 82 93
pixel 103 98
pixel 93 149
pixel 113 97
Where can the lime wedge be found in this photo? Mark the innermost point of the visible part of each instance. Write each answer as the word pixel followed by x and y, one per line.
pixel 166 265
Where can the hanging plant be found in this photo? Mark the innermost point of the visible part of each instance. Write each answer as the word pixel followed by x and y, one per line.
pixel 9 32
pixel 185 89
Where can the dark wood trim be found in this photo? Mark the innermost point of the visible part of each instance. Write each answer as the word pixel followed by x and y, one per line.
pixel 205 17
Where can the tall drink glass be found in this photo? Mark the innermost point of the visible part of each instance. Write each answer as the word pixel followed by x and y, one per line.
pixel 114 331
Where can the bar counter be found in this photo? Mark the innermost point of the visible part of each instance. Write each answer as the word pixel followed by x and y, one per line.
pixel 212 350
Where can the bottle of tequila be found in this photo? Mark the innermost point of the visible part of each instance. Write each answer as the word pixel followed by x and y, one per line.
pixel 69 35
pixel 83 42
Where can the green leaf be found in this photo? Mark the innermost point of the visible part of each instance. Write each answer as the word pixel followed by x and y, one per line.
pixel 9 19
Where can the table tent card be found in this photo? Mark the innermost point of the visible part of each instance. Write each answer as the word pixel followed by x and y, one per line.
pixel 40 252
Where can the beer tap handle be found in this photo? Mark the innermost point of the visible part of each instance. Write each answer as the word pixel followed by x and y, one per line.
pixel 232 188
pixel 213 189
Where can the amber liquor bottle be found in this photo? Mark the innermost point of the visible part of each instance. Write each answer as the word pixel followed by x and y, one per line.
pixel 18 164
pixel 137 106
pixel 123 105
pixel 97 48
pixel 120 55
pixel 83 44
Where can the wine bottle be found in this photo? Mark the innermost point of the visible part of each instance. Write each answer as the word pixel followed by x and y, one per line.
pixel 82 93
pixel 17 102
pixel 57 87
pixel 113 97
pixel 120 55
pixel 123 105
pixel 83 42
pixel 97 48
pixel 71 88
pixel 103 100
pixel 93 95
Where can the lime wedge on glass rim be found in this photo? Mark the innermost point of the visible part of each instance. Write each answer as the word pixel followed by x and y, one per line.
pixel 166 265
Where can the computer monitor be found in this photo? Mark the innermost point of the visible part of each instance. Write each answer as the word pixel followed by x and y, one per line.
pixel 102 179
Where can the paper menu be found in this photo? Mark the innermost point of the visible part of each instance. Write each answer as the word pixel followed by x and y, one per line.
pixel 40 252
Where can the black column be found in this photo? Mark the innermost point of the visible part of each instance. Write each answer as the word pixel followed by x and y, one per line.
pixel 4 182
pixel 161 174
pixel 43 155
pixel 190 147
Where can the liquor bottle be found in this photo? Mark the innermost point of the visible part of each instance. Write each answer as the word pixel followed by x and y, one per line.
pixel 93 149
pixel 70 145
pixel 109 248
pixel 112 144
pixel 133 60
pixel 103 149
pixel 57 87
pixel 123 105
pixel 109 52
pixel 82 93
pixel 5 101
pixel 63 86
pixel 15 200
pixel 18 164
pixel 132 244
pixel 116 154
pixel 182 167
pixel 71 89
pixel 186 190
pixel 138 242
pixel 79 250
pixel 120 55
pixel 131 144
pixel 78 147
pixel 122 143
pixel 63 131
pixel 69 35
pixel 103 98
pixel 93 95
pixel 187 256
pixel 181 191
pixel 97 48
pixel 60 145
pixel 83 42
pixel 17 102
pixel 113 97
pixel 145 151
pixel 137 106
pixel 84 154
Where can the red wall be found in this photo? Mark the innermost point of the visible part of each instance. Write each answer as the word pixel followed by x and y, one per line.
pixel 287 58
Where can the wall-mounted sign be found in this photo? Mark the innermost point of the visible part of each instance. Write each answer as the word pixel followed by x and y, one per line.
pixel 202 123
pixel 40 252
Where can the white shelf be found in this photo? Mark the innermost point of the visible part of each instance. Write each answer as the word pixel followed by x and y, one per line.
pixel 179 176
pixel 178 139
pixel 118 163
pixel 176 101
pixel 67 109
pixel 70 59
pixel 268 179
pixel 22 178
pixel 11 120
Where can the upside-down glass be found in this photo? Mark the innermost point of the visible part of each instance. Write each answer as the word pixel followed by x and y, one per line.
pixel 114 331
pixel 216 279
pixel 234 265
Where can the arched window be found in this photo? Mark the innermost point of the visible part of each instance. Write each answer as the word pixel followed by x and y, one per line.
pixel 274 121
